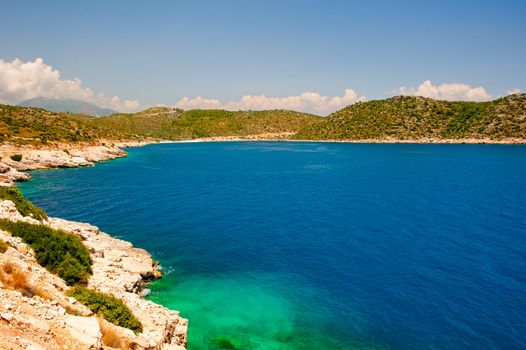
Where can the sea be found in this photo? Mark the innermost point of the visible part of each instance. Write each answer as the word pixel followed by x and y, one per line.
pixel 300 245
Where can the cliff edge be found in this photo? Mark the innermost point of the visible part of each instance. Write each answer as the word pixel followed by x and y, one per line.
pixel 35 311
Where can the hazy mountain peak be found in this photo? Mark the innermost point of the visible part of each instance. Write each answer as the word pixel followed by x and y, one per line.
pixel 67 105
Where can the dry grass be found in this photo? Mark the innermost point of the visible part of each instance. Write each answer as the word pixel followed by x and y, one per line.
pixel 73 311
pixel 14 278
pixel 3 246
pixel 111 337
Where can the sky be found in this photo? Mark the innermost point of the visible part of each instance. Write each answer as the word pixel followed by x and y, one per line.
pixel 313 56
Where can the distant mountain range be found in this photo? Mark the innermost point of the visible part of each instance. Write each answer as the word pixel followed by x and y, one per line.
pixel 67 106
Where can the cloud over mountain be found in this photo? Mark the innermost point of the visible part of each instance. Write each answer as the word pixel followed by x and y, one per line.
pixel 451 92
pixel 312 102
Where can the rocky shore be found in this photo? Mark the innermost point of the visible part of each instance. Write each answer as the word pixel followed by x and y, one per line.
pixel 51 320
pixel 288 137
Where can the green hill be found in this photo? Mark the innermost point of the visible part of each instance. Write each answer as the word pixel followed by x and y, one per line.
pixel 28 125
pixel 410 118
pixel 401 117
pixel 176 124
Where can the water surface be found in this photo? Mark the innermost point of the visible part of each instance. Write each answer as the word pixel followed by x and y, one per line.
pixel 320 245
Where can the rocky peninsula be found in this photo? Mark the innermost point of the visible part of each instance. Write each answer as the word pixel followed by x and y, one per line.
pixel 47 318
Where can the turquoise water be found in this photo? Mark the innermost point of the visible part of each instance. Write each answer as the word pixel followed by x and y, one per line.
pixel 320 245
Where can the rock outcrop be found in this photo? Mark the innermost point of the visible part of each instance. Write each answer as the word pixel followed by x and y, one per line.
pixel 33 159
pixel 118 269
pixel 56 156
pixel 43 317
pixel 84 329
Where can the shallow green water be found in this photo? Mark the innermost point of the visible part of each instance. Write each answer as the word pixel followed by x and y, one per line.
pixel 224 318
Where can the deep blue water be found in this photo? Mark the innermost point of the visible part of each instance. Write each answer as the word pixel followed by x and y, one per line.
pixel 320 245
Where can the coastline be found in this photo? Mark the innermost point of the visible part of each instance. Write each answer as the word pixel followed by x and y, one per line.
pixel 118 269
pixel 265 138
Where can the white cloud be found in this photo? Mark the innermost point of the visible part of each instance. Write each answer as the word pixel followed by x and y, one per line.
pixel 452 92
pixel 311 102
pixel 514 91
pixel 198 103
pixel 24 80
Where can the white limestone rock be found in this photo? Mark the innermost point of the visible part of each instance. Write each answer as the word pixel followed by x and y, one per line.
pixel 85 329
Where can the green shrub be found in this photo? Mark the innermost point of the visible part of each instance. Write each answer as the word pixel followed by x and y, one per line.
pixel 16 157
pixel 109 307
pixel 25 207
pixel 3 246
pixel 58 251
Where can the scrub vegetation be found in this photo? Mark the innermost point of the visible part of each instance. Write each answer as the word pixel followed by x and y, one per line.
pixel 176 124
pixel 16 157
pixel 408 118
pixel 58 251
pixel 107 306
pixel 24 207
pixel 36 126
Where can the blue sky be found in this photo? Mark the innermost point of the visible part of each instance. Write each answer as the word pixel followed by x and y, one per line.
pixel 157 52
